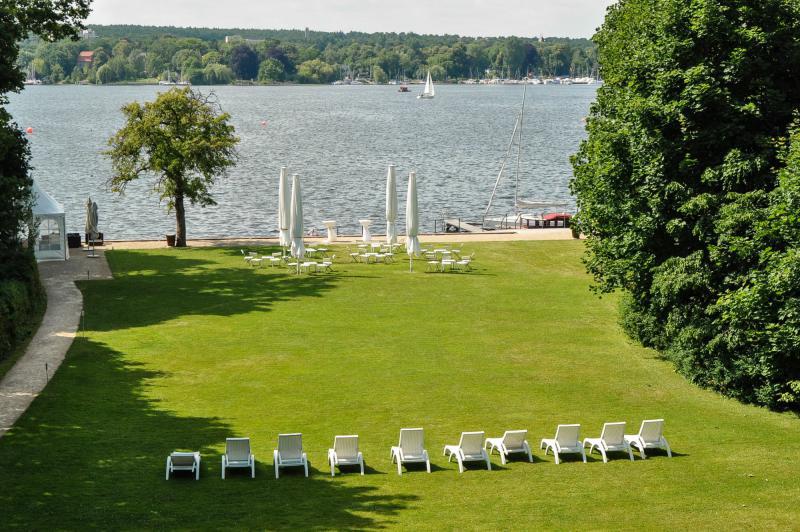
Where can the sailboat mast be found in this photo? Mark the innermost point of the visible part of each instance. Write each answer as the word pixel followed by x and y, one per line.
pixel 503 167
pixel 519 149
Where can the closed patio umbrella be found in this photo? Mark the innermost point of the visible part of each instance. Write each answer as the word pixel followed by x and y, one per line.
pixel 391 206
pixel 412 216
pixel 296 225
pixel 91 220
pixel 284 208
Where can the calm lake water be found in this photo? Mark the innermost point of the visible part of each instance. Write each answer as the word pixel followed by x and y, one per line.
pixel 340 140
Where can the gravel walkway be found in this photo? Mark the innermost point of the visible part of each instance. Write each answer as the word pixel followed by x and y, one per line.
pixel 29 376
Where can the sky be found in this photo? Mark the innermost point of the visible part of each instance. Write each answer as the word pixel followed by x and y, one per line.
pixel 526 18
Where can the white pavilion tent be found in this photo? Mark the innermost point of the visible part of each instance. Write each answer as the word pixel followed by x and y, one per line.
pixel 51 240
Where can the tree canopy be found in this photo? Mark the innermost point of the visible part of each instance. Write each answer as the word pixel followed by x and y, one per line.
pixel 141 52
pixel 683 191
pixel 21 295
pixel 184 140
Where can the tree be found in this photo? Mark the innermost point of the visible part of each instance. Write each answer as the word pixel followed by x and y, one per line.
pixel 379 75
pixel 676 180
pixel 315 71
pixel 270 70
pixel 244 62
pixel 184 140
pixel 217 74
pixel 21 294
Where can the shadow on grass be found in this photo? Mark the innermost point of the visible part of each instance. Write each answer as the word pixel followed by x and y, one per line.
pixel 153 288
pixel 90 453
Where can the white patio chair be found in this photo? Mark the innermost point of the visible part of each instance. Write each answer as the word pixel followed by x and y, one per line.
pixel 611 439
pixel 469 449
pixel 650 437
pixel 411 448
pixel 247 256
pixel 567 441
pixel 274 259
pixel 513 441
pixel 180 461
pixel 466 262
pixel 289 453
pixel 327 264
pixel 237 454
pixel 345 452
pixel 433 266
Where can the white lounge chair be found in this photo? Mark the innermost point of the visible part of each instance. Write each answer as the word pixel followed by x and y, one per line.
pixel 469 449
pixel 650 437
pixel 345 452
pixel 237 454
pixel 513 441
pixel 611 439
pixel 180 461
pixel 289 453
pixel 411 448
pixel 567 441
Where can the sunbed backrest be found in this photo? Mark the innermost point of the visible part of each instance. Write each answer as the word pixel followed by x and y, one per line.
pixel 613 433
pixel 182 459
pixel 290 446
pixel 412 441
pixel 568 435
pixel 651 429
pixel 346 446
pixel 513 438
pixel 237 448
pixel 472 442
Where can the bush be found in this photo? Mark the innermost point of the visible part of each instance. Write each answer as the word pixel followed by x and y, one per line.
pixel 685 198
pixel 21 301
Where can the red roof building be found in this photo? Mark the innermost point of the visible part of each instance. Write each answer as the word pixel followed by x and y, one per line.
pixel 85 57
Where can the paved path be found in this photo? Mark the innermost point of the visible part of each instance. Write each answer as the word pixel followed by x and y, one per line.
pixel 28 377
pixel 487 236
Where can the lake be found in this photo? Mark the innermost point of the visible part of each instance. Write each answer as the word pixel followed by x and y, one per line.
pixel 340 140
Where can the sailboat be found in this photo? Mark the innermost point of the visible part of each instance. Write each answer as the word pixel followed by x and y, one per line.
pixel 517 218
pixel 32 77
pixel 429 91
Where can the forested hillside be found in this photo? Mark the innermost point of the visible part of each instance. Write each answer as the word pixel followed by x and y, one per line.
pixel 108 54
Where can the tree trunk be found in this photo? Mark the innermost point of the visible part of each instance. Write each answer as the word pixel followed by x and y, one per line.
pixel 180 222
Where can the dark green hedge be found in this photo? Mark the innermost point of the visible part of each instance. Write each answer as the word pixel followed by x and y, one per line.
pixel 688 188
pixel 21 301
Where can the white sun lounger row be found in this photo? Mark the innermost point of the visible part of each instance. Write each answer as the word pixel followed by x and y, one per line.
pixel 472 447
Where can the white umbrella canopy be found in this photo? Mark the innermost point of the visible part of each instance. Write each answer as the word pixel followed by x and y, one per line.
pixel 284 208
pixel 296 225
pixel 391 206
pixel 412 216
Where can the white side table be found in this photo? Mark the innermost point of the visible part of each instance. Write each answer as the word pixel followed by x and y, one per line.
pixel 331 226
pixel 365 234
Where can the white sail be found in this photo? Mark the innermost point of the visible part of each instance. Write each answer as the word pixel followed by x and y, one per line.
pixel 429 91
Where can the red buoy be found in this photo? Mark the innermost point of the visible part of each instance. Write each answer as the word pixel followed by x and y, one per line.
pixel 29 131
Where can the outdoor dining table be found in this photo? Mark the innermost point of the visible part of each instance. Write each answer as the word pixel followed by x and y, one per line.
pixel 308 265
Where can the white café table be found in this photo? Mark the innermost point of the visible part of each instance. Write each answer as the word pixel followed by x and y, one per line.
pixel 365 234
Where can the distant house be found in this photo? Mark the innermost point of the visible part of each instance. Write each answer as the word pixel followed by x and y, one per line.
pixel 85 58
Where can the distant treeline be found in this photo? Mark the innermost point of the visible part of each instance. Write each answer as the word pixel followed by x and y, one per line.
pixel 220 56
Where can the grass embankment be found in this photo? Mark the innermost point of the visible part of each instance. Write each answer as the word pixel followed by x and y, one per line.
pixel 187 347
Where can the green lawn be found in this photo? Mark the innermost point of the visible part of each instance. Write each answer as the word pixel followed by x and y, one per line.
pixel 187 347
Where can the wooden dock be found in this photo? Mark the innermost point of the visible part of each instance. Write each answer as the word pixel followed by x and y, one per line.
pixel 460 225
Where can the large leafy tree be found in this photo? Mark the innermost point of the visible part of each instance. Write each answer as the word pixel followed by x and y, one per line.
pixel 678 188
pixel 184 140
pixel 244 62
